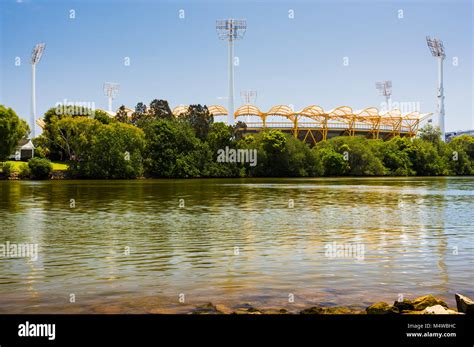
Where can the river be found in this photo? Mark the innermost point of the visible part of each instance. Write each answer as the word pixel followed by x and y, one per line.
pixel 163 246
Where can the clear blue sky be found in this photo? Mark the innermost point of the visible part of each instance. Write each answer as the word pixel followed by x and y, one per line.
pixel 288 61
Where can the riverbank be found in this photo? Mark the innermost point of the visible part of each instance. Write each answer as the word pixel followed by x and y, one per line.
pixel 61 174
pixel 427 304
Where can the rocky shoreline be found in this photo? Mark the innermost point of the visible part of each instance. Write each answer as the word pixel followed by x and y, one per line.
pixel 427 304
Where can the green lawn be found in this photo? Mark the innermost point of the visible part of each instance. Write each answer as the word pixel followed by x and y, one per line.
pixel 57 166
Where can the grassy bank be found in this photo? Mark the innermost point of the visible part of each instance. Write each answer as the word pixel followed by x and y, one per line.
pixel 57 166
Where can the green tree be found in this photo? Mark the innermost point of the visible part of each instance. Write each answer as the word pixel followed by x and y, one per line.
pixel 430 133
pixel 200 119
pixel 396 157
pixel 272 154
pixel 171 148
pixel 460 154
pixel 239 129
pixel 103 117
pixel 363 156
pixel 466 142
pixel 159 109
pixel 302 161
pixel 122 115
pixel 140 108
pixel 280 155
pixel 141 114
pixel 103 151
pixel 12 130
pixel 220 135
pixel 333 163
pixel 426 160
pixel 51 136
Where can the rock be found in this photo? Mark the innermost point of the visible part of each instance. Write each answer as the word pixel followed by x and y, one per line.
pixel 208 308
pixel 412 312
pixel 405 305
pixel 438 309
pixel 381 308
pixel 313 310
pixel 423 302
pixel 108 309
pixel 163 311
pixel 464 304
pixel 224 309
pixel 276 311
pixel 329 310
pixel 247 309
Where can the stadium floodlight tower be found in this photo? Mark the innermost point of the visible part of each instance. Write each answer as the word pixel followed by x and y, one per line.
pixel 111 90
pixel 248 96
pixel 35 58
pixel 385 89
pixel 231 30
pixel 437 50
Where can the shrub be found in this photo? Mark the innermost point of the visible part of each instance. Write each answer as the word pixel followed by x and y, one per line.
pixel 8 169
pixel 103 117
pixel 333 163
pixel 364 157
pixel 426 160
pixel 171 148
pixel 396 159
pixel 281 155
pixel 40 168
pixel 103 151
pixel 41 152
pixel 24 171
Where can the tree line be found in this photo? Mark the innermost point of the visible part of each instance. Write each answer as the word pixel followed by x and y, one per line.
pixel 152 142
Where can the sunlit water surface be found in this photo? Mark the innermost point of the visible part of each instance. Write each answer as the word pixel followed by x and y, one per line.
pixel 127 246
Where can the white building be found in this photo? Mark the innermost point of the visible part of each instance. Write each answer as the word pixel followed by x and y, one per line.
pixel 24 150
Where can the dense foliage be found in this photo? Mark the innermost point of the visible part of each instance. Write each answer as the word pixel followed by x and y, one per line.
pixel 12 130
pixel 152 142
pixel 97 150
pixel 39 169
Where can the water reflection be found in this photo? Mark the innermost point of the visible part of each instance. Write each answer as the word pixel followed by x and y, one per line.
pixel 128 243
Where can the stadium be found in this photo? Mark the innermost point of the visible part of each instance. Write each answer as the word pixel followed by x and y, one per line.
pixel 313 124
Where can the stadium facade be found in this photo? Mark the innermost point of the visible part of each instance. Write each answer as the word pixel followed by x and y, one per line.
pixel 314 124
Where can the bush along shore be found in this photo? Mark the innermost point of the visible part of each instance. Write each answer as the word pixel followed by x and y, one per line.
pixel 427 304
pixel 154 143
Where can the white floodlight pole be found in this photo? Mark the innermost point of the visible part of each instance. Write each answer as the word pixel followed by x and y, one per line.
pixel 437 50
pixel 33 100
pixel 249 96
pixel 388 100
pixel 231 30
pixel 441 98
pixel 35 58
pixel 231 77
pixel 110 91
pixel 385 89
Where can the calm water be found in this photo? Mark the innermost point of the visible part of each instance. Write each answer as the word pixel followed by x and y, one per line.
pixel 234 241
